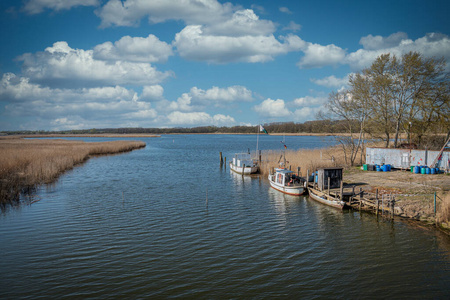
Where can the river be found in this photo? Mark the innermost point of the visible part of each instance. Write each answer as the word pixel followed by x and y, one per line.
pixel 166 221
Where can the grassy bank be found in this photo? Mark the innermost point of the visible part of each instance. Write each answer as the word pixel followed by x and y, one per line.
pixel 27 163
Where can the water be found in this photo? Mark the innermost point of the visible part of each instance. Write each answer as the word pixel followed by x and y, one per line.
pixel 166 221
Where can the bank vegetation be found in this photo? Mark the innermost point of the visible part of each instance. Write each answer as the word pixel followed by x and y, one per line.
pixel 26 163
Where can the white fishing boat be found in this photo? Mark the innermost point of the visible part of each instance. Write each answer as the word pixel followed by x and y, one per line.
pixel 242 163
pixel 287 182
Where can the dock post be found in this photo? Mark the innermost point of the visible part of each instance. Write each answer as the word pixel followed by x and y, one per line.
pixel 225 162
pixel 298 171
pixel 377 202
pixel 307 178
pixel 329 186
pixel 392 207
pixel 360 198
pixel 221 158
pixel 342 190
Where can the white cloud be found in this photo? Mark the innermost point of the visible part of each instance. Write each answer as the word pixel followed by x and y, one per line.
pixel 130 12
pixel 242 23
pixel 331 81
pixel 309 101
pixel 317 56
pixel 272 108
pixel 72 108
pixel 221 95
pixel 199 118
pixel 135 49
pixel 193 44
pixel 431 45
pixel 305 114
pixel 37 6
pixel 377 42
pixel 285 10
pixel 61 64
pixel 152 92
pixel 292 26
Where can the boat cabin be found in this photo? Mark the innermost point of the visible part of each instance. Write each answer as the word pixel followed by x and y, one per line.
pixel 322 175
pixel 286 177
pixel 241 159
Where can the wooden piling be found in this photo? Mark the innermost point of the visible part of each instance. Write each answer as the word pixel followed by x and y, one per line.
pixel 221 158
pixel 329 186
pixel 341 191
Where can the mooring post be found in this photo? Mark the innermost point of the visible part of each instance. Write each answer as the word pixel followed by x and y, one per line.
pixel 307 178
pixel 225 162
pixel 377 202
pixel 329 186
pixel 342 190
pixel 360 198
pixel 392 207
pixel 221 158
pixel 298 171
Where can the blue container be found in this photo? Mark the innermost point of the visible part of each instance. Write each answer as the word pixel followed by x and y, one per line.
pixel 378 168
pixel 389 167
pixel 384 168
pixel 423 169
pixel 438 171
pixel 416 170
pixel 433 171
pixel 427 170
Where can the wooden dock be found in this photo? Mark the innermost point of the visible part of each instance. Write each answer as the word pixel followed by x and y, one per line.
pixel 358 199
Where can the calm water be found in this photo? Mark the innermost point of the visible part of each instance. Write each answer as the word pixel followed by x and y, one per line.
pixel 166 221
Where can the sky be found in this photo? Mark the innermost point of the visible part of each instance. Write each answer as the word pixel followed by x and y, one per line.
pixel 81 64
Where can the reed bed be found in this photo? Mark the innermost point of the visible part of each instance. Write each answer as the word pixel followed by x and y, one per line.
pixel 444 211
pixel 28 163
pixel 306 159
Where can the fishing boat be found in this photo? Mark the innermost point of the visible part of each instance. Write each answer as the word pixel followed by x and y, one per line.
pixel 242 163
pixel 324 180
pixel 324 198
pixel 287 182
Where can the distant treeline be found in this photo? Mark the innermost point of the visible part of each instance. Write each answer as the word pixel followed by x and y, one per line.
pixel 319 126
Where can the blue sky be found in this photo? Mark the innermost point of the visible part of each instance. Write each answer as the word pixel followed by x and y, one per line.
pixel 78 64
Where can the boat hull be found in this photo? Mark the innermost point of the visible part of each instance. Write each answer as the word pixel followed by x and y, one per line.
pixel 242 170
pixel 314 194
pixel 295 190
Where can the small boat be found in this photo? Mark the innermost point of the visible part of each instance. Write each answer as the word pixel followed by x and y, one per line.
pixel 324 180
pixel 242 163
pixel 325 198
pixel 287 182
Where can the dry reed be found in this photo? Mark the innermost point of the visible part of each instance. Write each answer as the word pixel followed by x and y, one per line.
pixel 306 159
pixel 444 209
pixel 27 163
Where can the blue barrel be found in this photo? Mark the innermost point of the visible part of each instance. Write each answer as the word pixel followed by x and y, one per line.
pixel 384 168
pixel 416 170
pixel 389 168
pixel 423 169
pixel 378 168
pixel 427 170
pixel 433 171
pixel 437 170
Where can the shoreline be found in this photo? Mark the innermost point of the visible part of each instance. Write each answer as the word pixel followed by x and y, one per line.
pixel 27 163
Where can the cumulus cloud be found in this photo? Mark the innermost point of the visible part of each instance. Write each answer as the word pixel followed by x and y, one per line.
pixel 292 26
pixel 193 44
pixel 285 10
pixel 331 81
pixel 72 108
pixel 130 12
pixel 135 49
pixel 309 101
pixel 61 64
pixel 199 118
pixel 37 6
pixel 272 108
pixel 431 45
pixel 242 23
pixel 317 56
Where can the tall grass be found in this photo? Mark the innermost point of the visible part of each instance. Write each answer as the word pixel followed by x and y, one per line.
pixel 306 159
pixel 444 209
pixel 27 163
